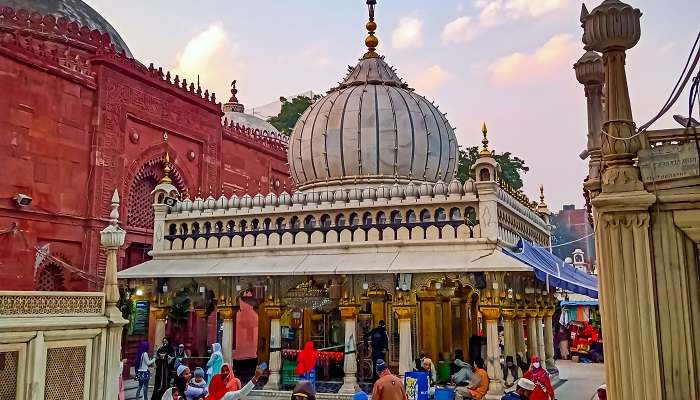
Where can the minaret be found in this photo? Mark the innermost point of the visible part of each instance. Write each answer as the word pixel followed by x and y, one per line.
pixel 486 171
pixel 165 188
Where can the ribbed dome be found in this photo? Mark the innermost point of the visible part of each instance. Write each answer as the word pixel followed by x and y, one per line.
pixel 74 10
pixel 371 129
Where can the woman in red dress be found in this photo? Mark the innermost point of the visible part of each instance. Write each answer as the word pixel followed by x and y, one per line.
pixel 540 376
pixel 306 362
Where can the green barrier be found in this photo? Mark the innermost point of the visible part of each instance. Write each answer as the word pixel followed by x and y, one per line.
pixel 289 377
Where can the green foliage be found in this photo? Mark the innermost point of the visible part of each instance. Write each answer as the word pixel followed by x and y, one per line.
pixel 180 309
pixel 511 167
pixel 290 113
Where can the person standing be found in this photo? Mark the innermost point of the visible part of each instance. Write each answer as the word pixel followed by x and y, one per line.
pixel 563 337
pixel 380 344
pixel 216 360
pixel 180 355
pixel 143 374
pixel 165 365
pixel 523 390
pixel 306 362
pixel 388 386
pixel 540 377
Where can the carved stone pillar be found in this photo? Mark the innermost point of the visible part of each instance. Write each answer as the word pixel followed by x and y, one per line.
pixel 348 313
pixel 404 314
pixel 540 335
pixel 532 347
pixel 549 339
pixel 520 332
pixel 509 348
pixel 591 73
pixel 274 313
pixel 227 314
pixel 493 350
pixel 447 321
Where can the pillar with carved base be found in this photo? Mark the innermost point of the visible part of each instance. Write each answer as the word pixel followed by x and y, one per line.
pixel 532 348
pixel 540 335
pixel 403 314
pixel 509 315
pixel 348 312
pixel 493 350
pixel 519 332
pixel 274 313
pixel 549 339
pixel 227 313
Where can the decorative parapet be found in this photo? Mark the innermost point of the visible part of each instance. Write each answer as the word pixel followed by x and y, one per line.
pixel 165 81
pixel 52 26
pixel 275 142
pixel 39 304
pixel 520 208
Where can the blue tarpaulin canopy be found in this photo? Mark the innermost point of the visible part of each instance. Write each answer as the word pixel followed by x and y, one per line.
pixel 576 303
pixel 549 267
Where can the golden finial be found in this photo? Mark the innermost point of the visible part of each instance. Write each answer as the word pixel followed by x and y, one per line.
pixel 542 203
pixel 371 41
pixel 166 169
pixel 484 152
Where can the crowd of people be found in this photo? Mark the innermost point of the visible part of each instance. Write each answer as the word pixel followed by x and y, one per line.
pixel 579 339
pixel 174 379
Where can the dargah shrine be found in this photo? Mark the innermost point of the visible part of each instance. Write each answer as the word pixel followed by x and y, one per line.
pixel 378 228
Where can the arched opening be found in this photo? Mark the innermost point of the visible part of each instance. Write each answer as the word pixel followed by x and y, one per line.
pixel 231 226
pixel 325 221
pixel 266 224
pixel 381 217
pixel 455 214
pixel 50 279
pixel 207 227
pixel 440 215
pixel 367 219
pixel 295 223
pixel 172 229
pixel 195 228
pixel 340 220
pixel 484 175
pixel 183 229
pixel 396 217
pixel 425 216
pixel 255 224
pixel 410 216
pixel 309 222
pixel 354 219
pixel 279 224
pixel 242 225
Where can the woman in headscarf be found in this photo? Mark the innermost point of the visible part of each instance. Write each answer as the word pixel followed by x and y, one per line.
pixel 141 363
pixel 189 392
pixel 223 382
pixel 237 394
pixel 540 376
pixel 171 394
pixel 216 360
pixel 306 362
pixel 165 363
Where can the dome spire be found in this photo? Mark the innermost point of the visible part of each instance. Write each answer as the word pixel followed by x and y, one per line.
pixel 371 41
pixel 166 169
pixel 484 152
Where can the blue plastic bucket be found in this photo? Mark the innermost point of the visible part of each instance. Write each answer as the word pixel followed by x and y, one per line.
pixel 444 393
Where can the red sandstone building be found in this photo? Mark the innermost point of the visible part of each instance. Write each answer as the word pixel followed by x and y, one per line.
pixel 80 117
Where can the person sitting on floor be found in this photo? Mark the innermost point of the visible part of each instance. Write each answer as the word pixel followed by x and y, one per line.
pixel 478 386
pixel 464 372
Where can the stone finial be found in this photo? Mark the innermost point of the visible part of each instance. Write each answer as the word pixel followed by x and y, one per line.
pixel 113 235
pixel 484 152
pixel 371 41
pixel 589 69
pixel 611 25
pixel 166 169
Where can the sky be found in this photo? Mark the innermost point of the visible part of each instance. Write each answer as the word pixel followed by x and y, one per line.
pixel 504 62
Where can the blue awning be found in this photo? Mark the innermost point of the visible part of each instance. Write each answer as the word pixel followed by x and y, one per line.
pixel 576 303
pixel 560 274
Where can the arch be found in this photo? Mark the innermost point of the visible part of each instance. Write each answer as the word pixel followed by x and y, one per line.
pixel 381 217
pixel 230 226
pixel 172 229
pixel 455 214
pixel 183 229
pixel 396 217
pixel 316 237
pixel 410 216
pixel 295 223
pixel 448 232
pixel 403 233
pixel 354 219
pixel 219 227
pixel 340 220
pixel 301 238
pixel 332 237
pixel 266 224
pixel 388 233
pixel 440 215
pixel 309 222
pixel 367 219
pixel 274 239
pixel 432 233
pixel 255 224
pixel 195 228
pixel 425 216
pixel 279 223
pixel 345 236
pixel 243 225
pixel 207 227
pixel 50 278
pixel 470 215
pixel 484 175
pixel 325 221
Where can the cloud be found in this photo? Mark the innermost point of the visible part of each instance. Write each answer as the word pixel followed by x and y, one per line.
pixel 529 68
pixel 461 30
pixel 212 56
pixel 494 13
pixel 408 34
pixel 429 80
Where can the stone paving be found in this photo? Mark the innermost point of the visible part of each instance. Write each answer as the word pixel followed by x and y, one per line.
pixel 581 380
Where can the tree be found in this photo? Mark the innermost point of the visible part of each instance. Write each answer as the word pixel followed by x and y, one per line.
pixel 290 113
pixel 511 167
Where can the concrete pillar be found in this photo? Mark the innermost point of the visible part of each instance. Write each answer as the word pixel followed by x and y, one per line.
pixel 274 313
pixel 227 314
pixel 549 339
pixel 493 351
pixel 404 314
pixel 532 347
pixel 540 335
pixel 160 314
pixel 349 315
pixel 519 332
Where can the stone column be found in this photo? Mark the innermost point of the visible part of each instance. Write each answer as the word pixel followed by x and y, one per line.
pixel 519 332
pixel 549 339
pixel 532 347
pixel 274 313
pixel 348 313
pixel 112 238
pixel 493 350
pixel 160 314
pixel 629 303
pixel 404 314
pixel 509 315
pixel 227 313
pixel 540 335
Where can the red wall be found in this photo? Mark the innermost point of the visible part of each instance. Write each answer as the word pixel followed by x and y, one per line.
pixel 70 135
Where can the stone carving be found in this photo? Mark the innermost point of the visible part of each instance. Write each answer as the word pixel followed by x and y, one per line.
pixel 32 304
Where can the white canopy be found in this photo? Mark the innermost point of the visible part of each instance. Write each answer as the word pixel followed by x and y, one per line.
pixel 376 260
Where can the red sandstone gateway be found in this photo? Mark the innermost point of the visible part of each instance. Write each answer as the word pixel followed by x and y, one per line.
pixel 80 117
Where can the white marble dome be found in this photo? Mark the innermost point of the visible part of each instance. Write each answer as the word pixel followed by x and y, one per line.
pixel 372 129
